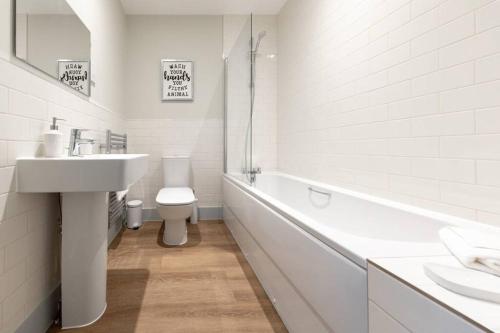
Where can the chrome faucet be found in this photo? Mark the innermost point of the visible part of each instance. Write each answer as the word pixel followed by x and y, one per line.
pixel 253 174
pixel 75 140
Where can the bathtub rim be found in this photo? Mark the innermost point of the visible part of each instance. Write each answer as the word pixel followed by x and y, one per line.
pixel 301 220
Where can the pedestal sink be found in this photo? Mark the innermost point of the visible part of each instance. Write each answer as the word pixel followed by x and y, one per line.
pixel 83 183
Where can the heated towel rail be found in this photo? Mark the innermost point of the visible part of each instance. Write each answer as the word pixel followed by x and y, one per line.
pixel 115 141
pixel 117 210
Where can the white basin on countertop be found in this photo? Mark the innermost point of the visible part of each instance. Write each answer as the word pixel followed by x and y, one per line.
pixel 88 173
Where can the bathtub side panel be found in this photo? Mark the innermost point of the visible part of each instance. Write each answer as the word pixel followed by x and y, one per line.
pixel 334 287
pixel 293 310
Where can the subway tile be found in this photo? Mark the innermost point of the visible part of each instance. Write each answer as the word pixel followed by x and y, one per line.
pixel 471 146
pixel 12 229
pixel 425 167
pixel 488 121
pixel 388 59
pixel 452 170
pixel 413 68
pixel 372 179
pixel 13 127
pixel 477 96
pixel 390 22
pixel 419 187
pixel 7 179
pixel 488 69
pixel 17 251
pixel 11 280
pixel 441 77
pixel 17 149
pixel 456 30
pixel 418 7
pixel 477 46
pixel 438 206
pixel 487 17
pixel 450 78
pixel 399 165
pixel 4 100
pixel 452 9
pixel 488 173
pixel 377 113
pixel 489 218
pixel 414 28
pixel 16 303
pixel 425 43
pixel 472 196
pixel 417 147
pixel 3 154
pixel 27 106
pixel 24 115
pixel 457 123
pixel 13 204
pixel 447 34
pixel 36 130
pixel 462 171
pixel 418 106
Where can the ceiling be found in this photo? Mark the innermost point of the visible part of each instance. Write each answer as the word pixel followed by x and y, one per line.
pixel 202 7
pixel 42 7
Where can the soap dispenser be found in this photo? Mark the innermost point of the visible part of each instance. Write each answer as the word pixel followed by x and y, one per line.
pixel 53 140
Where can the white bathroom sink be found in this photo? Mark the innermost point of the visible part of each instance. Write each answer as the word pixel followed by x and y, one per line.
pixel 83 183
pixel 90 173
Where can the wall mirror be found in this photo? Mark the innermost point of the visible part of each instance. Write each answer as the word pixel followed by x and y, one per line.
pixel 52 38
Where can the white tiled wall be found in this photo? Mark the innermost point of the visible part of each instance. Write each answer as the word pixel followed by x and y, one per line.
pixel 29 223
pixel 29 230
pixel 201 139
pixel 192 128
pixel 397 98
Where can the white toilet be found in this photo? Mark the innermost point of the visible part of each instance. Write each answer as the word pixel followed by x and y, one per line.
pixel 176 201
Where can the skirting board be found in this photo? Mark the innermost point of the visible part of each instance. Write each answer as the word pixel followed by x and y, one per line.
pixel 204 213
pixel 43 316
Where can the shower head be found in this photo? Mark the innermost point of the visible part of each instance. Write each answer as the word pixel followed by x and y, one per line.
pixel 260 36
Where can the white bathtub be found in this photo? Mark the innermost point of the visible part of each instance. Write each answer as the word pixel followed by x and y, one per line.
pixel 309 249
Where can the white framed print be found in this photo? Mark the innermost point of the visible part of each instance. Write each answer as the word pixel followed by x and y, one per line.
pixel 75 73
pixel 177 78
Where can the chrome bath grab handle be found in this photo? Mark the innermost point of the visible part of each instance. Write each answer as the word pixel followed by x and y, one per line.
pixel 312 189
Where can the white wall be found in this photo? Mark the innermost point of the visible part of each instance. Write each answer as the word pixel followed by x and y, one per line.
pixel 398 98
pixel 191 128
pixel 29 234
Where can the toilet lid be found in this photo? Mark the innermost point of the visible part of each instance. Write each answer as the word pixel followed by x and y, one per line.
pixel 172 196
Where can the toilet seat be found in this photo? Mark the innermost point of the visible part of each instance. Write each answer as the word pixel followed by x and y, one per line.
pixel 175 196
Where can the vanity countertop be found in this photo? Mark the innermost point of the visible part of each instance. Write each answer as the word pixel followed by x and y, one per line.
pixel 410 271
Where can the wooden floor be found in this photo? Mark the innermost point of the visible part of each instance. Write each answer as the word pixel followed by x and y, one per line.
pixel 203 286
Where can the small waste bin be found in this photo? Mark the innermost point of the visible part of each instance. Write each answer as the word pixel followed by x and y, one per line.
pixel 134 214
